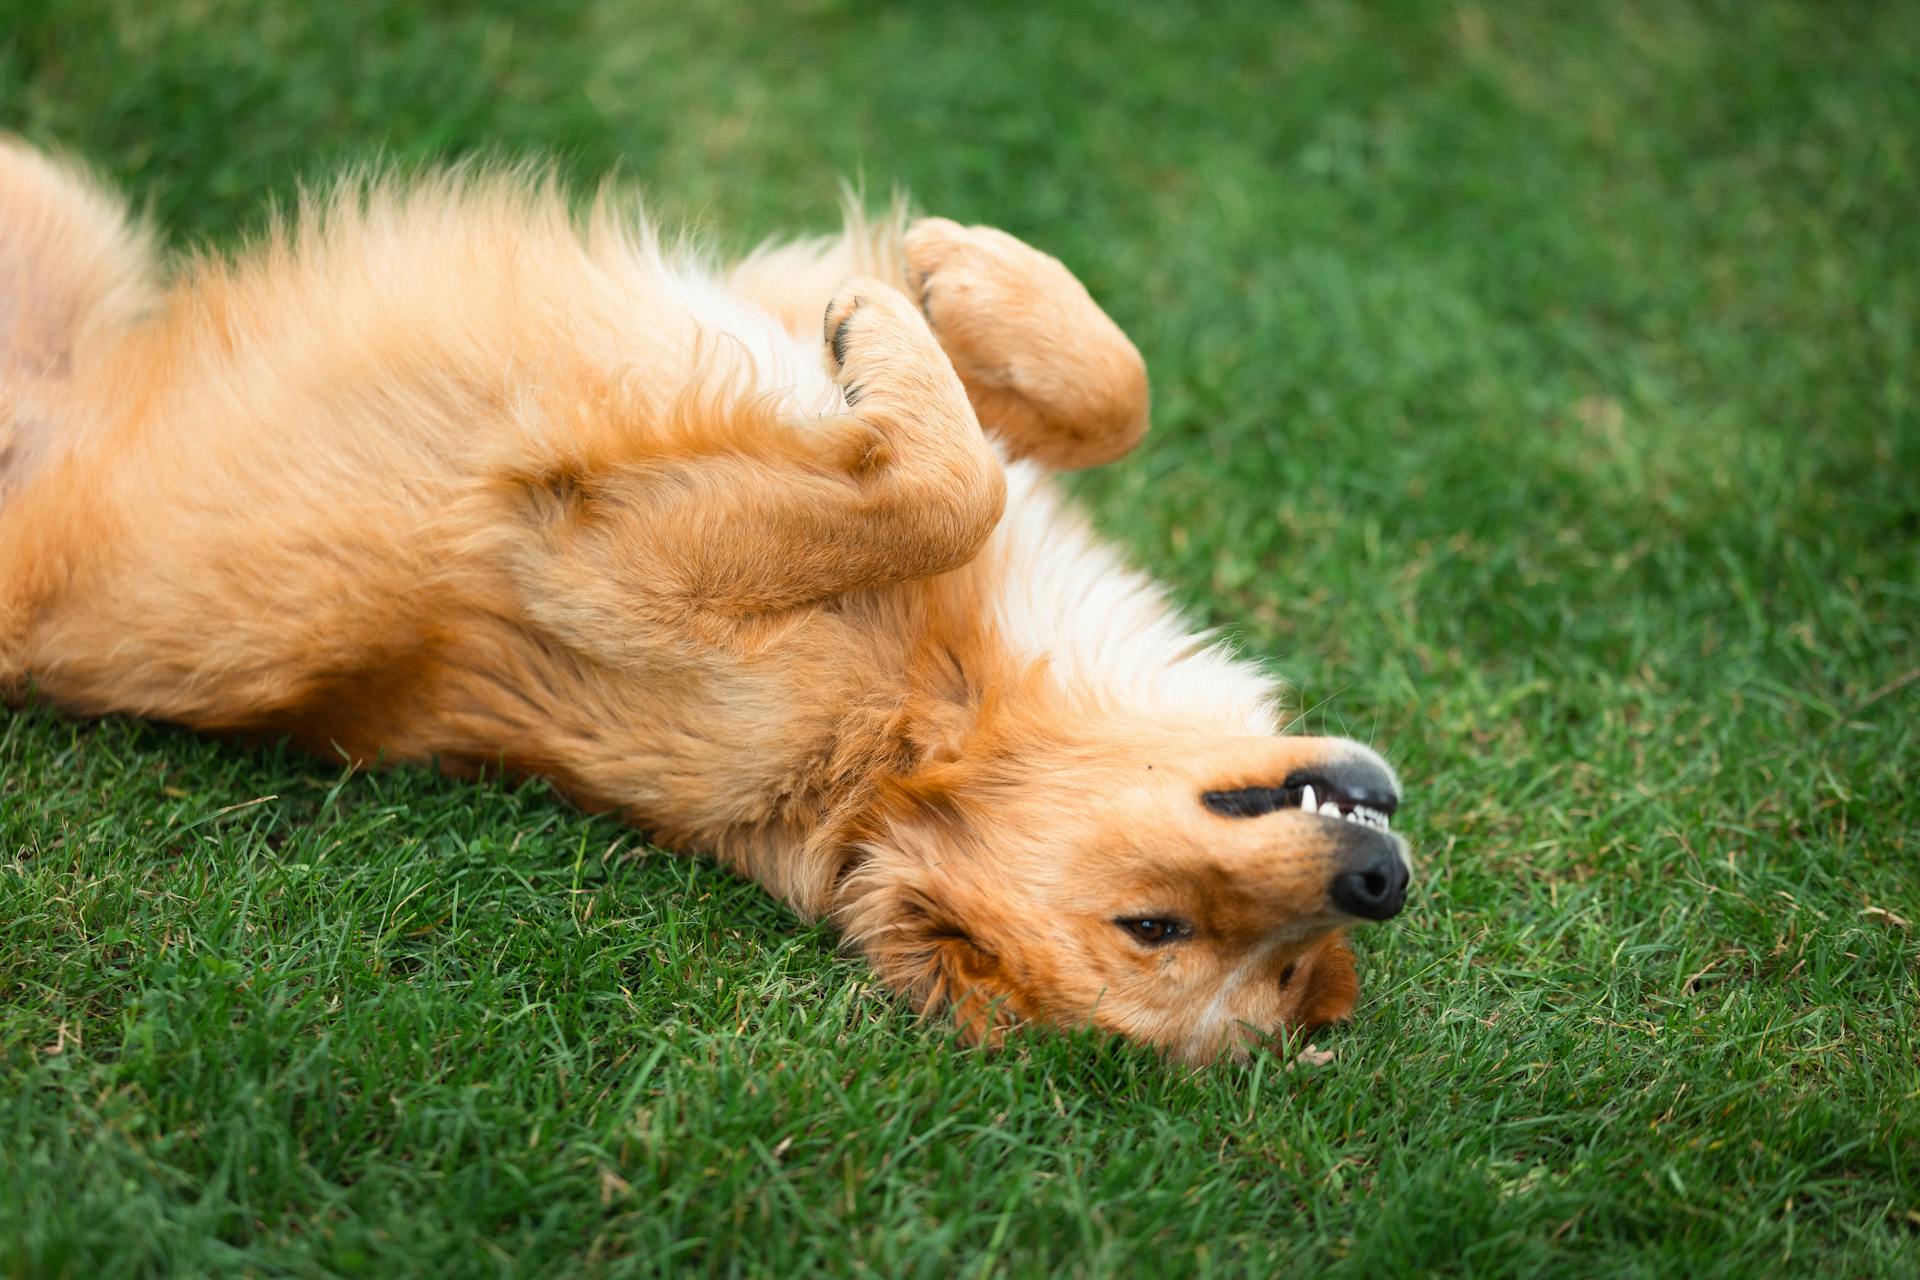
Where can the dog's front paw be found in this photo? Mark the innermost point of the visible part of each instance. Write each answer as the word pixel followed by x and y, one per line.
pixel 1044 365
pixel 891 371
pixel 981 290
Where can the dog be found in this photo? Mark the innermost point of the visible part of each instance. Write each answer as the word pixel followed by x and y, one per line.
pixel 443 470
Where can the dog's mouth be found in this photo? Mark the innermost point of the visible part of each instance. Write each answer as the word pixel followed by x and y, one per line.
pixel 1357 791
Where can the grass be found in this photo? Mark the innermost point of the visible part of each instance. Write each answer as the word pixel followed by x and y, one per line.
pixel 1535 386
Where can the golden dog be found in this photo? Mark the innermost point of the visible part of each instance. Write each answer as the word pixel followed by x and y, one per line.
pixel 441 472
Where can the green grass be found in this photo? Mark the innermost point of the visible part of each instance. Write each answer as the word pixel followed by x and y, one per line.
pixel 1535 386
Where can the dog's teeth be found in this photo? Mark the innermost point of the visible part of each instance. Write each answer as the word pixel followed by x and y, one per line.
pixel 1359 813
pixel 1373 818
pixel 1366 815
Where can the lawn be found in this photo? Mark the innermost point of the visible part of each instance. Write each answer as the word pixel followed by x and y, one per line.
pixel 1535 387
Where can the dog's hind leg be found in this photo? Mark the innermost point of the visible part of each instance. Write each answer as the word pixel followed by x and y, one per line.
pixel 1047 371
pixel 75 271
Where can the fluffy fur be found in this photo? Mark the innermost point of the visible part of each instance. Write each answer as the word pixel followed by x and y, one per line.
pixel 441 472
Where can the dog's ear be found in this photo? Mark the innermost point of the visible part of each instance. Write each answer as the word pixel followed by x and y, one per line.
pixel 921 949
pixel 908 905
pixel 972 985
pixel 1331 986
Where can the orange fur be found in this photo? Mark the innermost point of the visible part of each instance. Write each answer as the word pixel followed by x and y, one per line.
pixel 439 472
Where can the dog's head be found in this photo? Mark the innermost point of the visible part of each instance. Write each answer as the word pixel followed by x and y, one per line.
pixel 1189 891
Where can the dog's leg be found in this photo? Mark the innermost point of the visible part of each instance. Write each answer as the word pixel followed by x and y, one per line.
pixel 740 511
pixel 902 486
pixel 1045 368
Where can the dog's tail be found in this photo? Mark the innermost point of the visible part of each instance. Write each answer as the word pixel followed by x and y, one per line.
pixel 75 271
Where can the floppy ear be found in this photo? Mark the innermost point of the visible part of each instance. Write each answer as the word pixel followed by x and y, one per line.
pixel 921 950
pixel 909 905
pixel 1331 985
pixel 972 985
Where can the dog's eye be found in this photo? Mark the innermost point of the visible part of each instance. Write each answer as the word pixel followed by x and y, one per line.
pixel 1154 930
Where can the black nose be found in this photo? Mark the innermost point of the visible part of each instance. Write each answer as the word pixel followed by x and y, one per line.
pixel 1374 885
